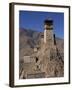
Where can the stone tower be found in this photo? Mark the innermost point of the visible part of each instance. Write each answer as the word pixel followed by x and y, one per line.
pixel 48 32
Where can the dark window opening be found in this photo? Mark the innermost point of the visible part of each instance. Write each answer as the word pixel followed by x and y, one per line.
pixel 37 67
pixel 36 59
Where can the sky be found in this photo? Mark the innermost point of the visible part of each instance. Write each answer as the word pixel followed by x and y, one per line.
pixel 35 20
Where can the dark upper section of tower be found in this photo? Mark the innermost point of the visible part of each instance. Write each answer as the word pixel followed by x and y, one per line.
pixel 48 24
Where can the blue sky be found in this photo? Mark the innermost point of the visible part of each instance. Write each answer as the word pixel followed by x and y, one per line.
pixel 35 20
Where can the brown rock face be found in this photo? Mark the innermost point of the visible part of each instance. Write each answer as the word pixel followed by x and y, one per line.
pixel 41 59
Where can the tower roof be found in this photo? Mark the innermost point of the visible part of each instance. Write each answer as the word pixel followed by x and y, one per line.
pixel 48 21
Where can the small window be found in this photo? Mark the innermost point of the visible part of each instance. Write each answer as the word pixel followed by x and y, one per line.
pixel 36 59
pixel 37 67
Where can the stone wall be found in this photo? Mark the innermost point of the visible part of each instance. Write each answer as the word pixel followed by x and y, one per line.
pixel 29 59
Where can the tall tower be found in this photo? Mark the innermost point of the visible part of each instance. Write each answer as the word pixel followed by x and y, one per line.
pixel 48 32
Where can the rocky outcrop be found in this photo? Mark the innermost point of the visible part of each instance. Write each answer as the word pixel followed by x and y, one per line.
pixel 48 61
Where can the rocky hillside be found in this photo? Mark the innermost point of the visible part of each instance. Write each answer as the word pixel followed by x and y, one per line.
pixel 29 38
